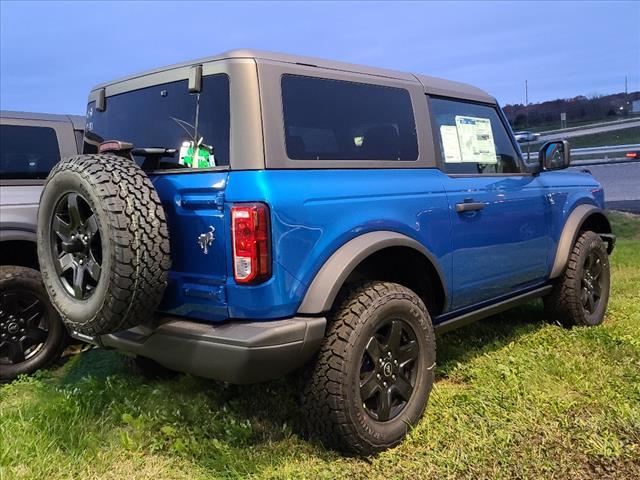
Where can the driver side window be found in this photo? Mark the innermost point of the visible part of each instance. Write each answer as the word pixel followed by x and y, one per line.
pixel 472 139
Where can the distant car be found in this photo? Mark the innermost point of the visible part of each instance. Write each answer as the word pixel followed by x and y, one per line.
pixel 526 136
pixel 31 333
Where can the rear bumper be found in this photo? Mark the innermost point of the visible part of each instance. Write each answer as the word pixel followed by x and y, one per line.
pixel 237 352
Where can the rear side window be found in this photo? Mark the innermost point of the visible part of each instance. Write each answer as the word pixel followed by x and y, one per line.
pixel 27 152
pixel 338 120
pixel 472 138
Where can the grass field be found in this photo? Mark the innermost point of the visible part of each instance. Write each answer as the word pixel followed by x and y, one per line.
pixel 617 137
pixel 514 397
pixel 625 136
pixel 577 123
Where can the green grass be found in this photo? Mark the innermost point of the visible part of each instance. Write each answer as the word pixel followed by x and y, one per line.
pixel 514 397
pixel 617 137
pixel 578 123
pixel 624 136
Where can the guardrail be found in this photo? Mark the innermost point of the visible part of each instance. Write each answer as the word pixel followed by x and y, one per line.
pixel 607 152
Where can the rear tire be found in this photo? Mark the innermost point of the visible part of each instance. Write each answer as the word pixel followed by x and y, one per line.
pixel 373 374
pixel 580 295
pixel 31 333
pixel 103 243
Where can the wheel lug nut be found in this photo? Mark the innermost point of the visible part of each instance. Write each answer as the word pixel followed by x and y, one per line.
pixel 393 377
pixel 80 262
pixel 388 354
pixel 384 384
pixel 395 362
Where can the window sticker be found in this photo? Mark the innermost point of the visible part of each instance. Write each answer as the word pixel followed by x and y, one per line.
pixel 450 145
pixel 476 140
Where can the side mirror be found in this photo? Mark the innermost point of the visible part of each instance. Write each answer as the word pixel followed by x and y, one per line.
pixel 555 155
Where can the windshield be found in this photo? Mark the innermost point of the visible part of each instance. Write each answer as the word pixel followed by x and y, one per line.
pixel 165 116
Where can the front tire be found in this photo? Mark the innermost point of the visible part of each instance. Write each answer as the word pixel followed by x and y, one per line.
pixel 31 333
pixel 580 296
pixel 373 374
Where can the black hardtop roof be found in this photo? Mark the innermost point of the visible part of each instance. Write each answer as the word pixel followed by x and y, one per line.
pixel 77 121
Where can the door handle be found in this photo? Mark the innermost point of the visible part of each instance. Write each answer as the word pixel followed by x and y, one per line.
pixel 469 206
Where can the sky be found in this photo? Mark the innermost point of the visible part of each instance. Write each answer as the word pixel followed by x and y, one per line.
pixel 53 53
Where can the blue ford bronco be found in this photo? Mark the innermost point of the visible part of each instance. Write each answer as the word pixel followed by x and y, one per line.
pixel 241 216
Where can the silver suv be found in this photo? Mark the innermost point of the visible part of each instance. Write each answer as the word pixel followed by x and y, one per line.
pixel 31 333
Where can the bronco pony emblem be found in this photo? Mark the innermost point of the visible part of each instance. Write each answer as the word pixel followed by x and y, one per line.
pixel 206 239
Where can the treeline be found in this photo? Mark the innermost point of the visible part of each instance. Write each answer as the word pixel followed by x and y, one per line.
pixel 579 109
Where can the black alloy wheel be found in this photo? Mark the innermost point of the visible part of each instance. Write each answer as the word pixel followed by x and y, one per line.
pixel 76 245
pixel 580 295
pixel 23 326
pixel 388 370
pixel 592 282
pixel 31 333
pixel 371 379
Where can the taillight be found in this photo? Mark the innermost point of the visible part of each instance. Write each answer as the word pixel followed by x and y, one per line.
pixel 632 155
pixel 251 242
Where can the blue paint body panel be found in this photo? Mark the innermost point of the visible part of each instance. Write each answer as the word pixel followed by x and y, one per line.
pixel 505 248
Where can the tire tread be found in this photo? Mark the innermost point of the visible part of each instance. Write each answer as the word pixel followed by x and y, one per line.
pixel 139 246
pixel 324 397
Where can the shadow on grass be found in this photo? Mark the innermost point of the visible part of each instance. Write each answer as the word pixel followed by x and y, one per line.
pixel 224 429
pixel 487 335
pixel 227 430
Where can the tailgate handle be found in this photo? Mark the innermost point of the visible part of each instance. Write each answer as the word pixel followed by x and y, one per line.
pixel 202 201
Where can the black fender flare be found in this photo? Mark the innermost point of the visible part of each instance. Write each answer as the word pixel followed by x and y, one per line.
pixel 327 283
pixel 570 233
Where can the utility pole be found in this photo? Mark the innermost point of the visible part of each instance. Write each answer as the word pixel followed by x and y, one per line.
pixel 626 97
pixel 526 115
pixel 526 104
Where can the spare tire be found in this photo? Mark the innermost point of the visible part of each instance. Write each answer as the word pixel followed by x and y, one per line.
pixel 103 243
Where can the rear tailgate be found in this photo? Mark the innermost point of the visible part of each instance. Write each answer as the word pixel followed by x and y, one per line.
pixel 194 204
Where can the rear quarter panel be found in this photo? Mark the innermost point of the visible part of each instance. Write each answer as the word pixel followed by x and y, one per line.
pixel 314 212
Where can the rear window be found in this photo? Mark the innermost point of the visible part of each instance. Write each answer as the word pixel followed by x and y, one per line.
pixel 338 120
pixel 27 152
pixel 165 116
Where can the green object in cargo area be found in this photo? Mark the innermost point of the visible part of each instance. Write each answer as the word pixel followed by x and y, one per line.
pixel 196 156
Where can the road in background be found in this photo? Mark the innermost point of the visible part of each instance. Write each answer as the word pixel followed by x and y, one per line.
pixel 621 182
